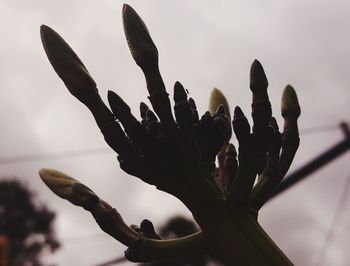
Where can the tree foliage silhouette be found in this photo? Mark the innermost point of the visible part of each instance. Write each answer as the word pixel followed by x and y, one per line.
pixel 27 224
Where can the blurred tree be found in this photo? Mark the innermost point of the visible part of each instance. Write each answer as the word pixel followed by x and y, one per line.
pixel 27 225
pixel 4 250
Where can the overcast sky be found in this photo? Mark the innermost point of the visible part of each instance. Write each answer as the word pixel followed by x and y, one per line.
pixel 203 44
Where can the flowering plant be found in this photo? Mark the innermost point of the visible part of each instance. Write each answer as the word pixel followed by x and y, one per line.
pixel 177 155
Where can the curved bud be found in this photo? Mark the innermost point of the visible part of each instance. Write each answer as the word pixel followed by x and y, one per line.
pixel 68 188
pixel 217 98
pixel 195 116
pixel 182 108
pixel 120 109
pixel 145 54
pixel 151 116
pixel 180 94
pixel 230 165
pixel 240 124
pixel 273 123
pixel 218 105
pixel 258 80
pixel 143 110
pixel 139 40
pixel 221 110
pixel 148 230
pixel 219 125
pixel 67 65
pixel 290 104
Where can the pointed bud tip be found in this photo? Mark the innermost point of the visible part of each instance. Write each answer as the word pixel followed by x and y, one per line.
pixel 216 90
pixel 192 102
pixel 217 98
pixel 113 97
pixel 221 109
pixel 48 35
pixel 238 112
pixel 274 124
pixel 117 104
pixel 146 224
pixel 179 92
pixel 47 173
pixel 258 79
pixel 110 94
pixel 58 182
pixel 256 63
pixel 44 29
pixel 129 13
pixel 67 187
pixel 68 65
pixel 143 109
pixel 177 84
pixel 127 9
pixel 231 149
pixel 290 105
pixel 143 106
pixel 207 113
pixel 151 116
pixel 140 43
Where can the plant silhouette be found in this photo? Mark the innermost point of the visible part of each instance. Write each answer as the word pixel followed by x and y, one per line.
pixel 177 155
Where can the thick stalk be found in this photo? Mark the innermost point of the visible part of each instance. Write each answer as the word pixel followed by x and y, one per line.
pixel 148 250
pixel 234 237
pixel 237 239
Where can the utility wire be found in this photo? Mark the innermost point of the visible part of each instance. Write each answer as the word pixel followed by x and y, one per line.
pixel 322 128
pixel 95 151
pixel 52 155
pixel 318 129
pixel 330 233
pixel 113 262
pixel 79 238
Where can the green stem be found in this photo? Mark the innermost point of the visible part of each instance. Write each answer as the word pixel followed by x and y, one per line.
pixel 244 181
pixel 261 192
pixel 147 250
pixel 237 239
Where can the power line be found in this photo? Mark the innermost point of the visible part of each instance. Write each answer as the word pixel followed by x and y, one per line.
pixel 52 155
pixel 113 262
pixel 316 163
pixel 338 212
pixel 318 129
pixel 95 151
pixel 322 128
pixel 79 238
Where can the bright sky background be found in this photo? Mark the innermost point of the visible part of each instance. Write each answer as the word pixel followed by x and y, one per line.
pixel 203 44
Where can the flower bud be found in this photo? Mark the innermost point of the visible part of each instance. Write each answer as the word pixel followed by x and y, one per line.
pixel 68 66
pixel 139 40
pixel 290 104
pixel 120 108
pixel 180 94
pixel 240 124
pixel 143 110
pixel 147 228
pixel 68 188
pixel 195 116
pixel 217 98
pixel 258 80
